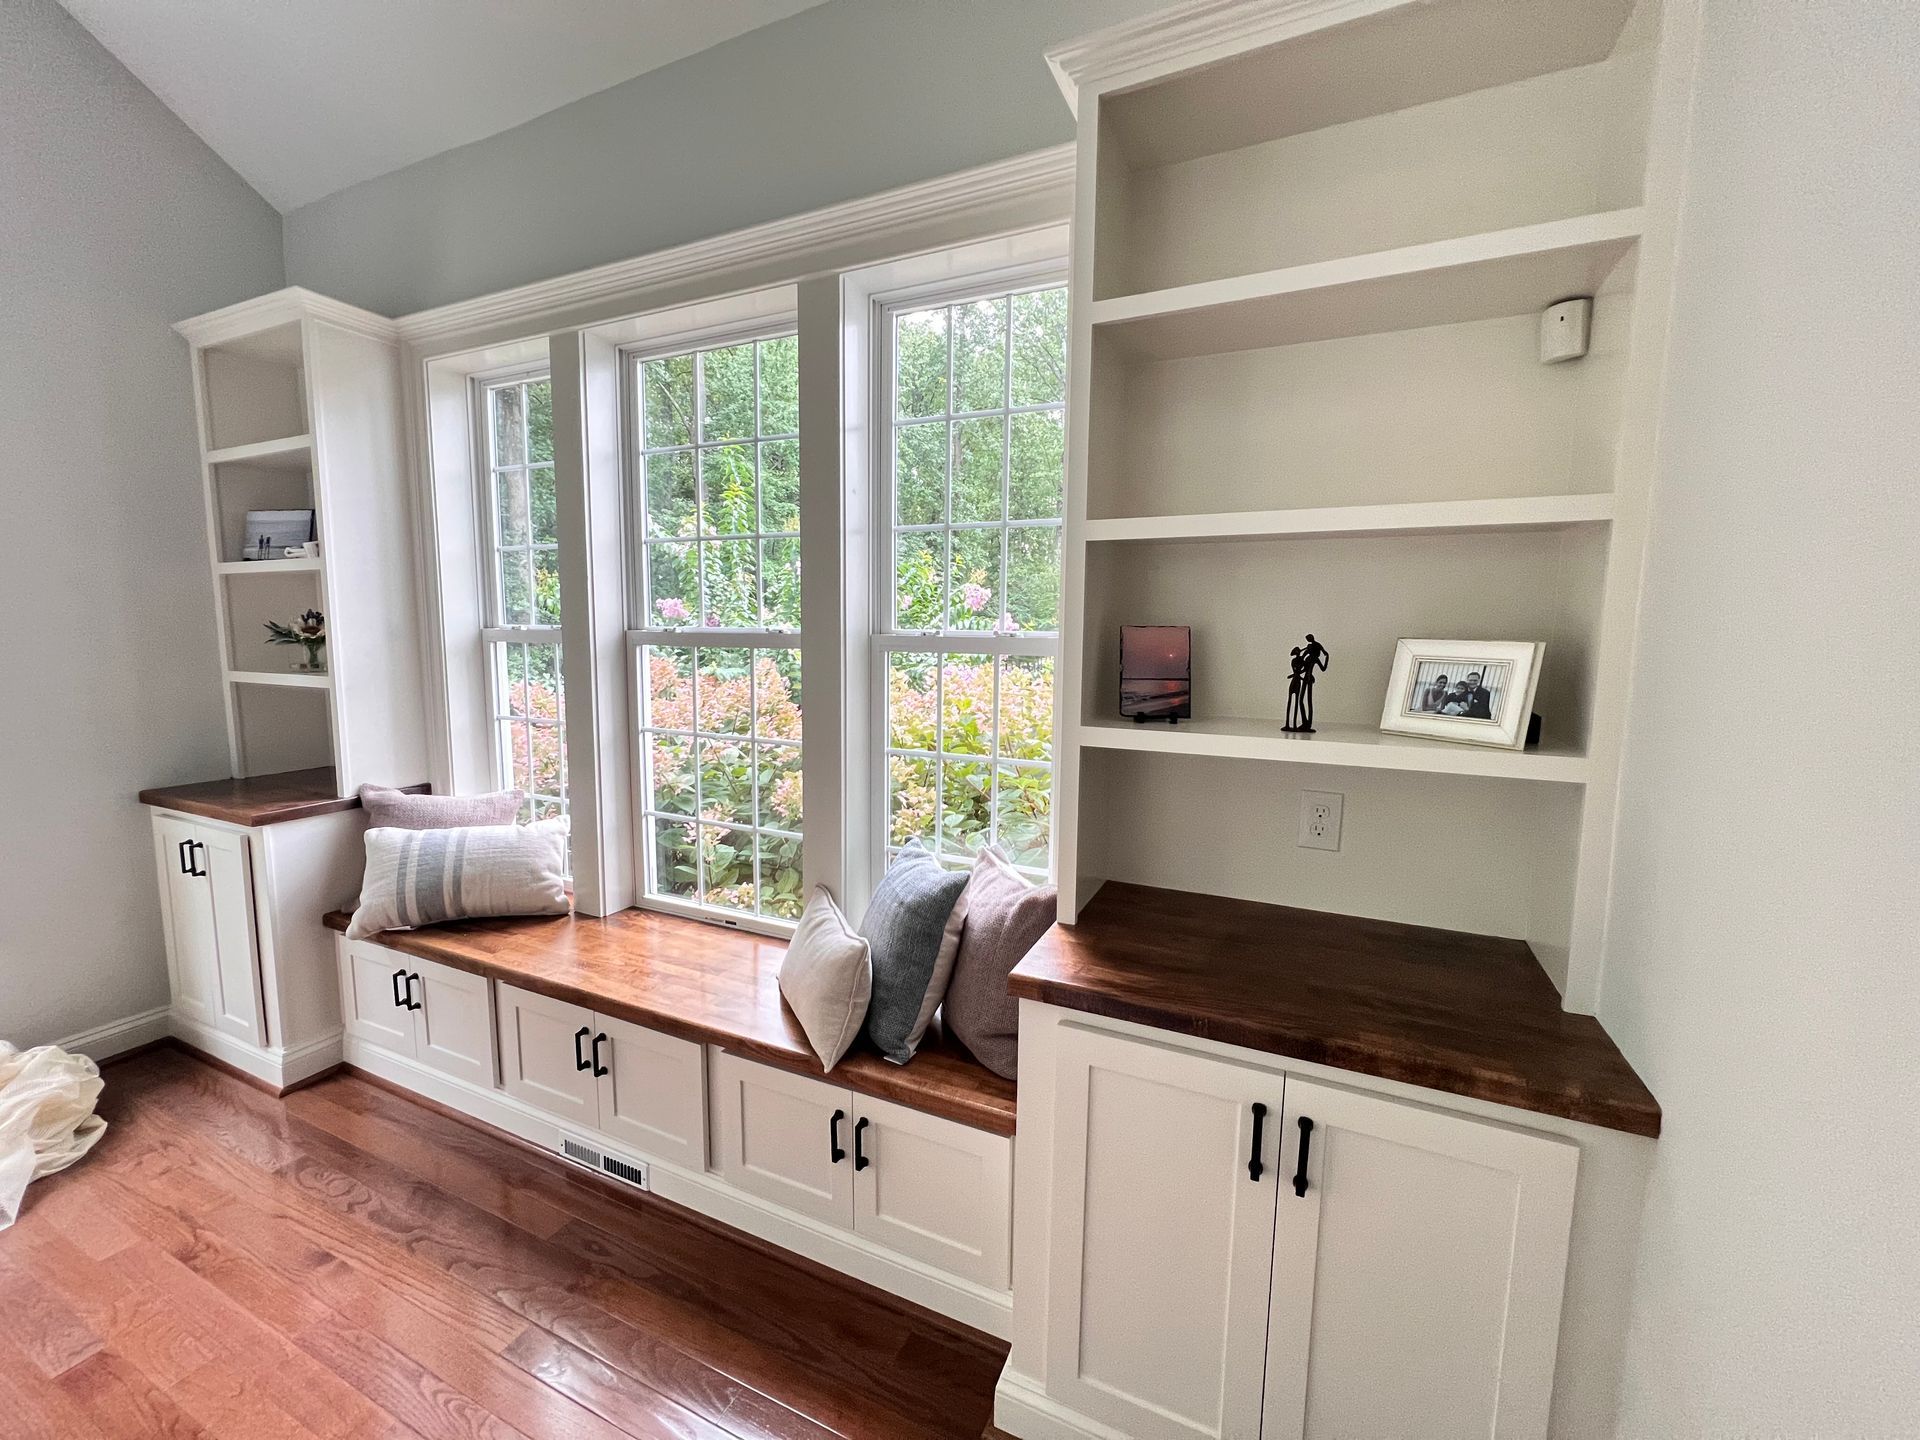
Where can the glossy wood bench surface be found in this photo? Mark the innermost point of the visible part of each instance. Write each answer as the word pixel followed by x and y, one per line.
pixel 703 983
pixel 258 800
pixel 1468 1014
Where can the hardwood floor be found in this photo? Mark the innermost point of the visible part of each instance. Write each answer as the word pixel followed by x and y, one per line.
pixel 343 1264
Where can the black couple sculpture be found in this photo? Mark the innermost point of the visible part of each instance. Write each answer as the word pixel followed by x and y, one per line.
pixel 1306 659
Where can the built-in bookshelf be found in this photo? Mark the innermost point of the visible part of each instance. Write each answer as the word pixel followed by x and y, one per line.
pixel 1313 244
pixel 299 406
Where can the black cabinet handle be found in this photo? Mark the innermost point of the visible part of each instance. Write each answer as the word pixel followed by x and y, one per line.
pixel 579 1057
pixel 1254 1168
pixel 413 1004
pixel 1306 1138
pixel 598 1068
pixel 398 1002
pixel 834 1152
pixel 193 863
pixel 186 864
pixel 860 1161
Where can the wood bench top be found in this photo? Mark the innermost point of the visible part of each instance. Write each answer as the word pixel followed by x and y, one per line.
pixel 704 983
pixel 1469 1014
pixel 257 800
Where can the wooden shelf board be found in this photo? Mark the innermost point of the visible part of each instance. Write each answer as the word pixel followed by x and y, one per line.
pixel 1444 282
pixel 279 677
pixel 256 800
pixel 295 452
pixel 305 565
pixel 1433 517
pixel 1360 746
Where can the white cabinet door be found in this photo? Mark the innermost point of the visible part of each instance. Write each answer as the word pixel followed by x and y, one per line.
pixel 543 1055
pixel 785 1138
pixel 1416 1285
pixel 238 1001
pixel 1163 1190
pixel 653 1096
pixel 187 911
pixel 453 1024
pixel 933 1190
pixel 373 996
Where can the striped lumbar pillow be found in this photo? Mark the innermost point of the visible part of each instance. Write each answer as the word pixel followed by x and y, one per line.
pixel 416 877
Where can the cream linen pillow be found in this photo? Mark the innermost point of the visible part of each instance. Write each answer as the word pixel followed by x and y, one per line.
pixel 417 877
pixel 827 977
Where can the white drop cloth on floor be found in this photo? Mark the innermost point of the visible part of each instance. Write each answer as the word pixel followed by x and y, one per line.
pixel 46 1117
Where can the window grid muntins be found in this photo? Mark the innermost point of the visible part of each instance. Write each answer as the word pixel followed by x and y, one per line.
pixel 689 474
pixel 529 719
pixel 721 746
pixel 525 588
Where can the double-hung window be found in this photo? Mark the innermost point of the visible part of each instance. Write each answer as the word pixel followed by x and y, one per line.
pixel 715 506
pixel 527 702
pixel 969 616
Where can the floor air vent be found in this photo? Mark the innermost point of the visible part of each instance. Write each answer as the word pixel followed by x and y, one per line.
pixel 629 1172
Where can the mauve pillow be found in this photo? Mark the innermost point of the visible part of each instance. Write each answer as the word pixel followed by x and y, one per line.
pixel 913 927
pixel 390 809
pixel 1005 919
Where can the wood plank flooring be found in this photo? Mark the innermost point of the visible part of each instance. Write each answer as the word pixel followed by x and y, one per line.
pixel 343 1264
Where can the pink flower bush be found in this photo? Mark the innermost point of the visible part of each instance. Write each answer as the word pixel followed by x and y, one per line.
pixel 673 610
pixel 975 597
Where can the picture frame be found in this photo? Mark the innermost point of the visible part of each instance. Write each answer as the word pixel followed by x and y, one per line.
pixel 1472 692
pixel 271 533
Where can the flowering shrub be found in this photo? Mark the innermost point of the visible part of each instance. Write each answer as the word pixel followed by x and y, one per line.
pixel 954 800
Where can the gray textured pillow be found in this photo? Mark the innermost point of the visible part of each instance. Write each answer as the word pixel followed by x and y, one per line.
pixel 1005 918
pixel 827 977
pixel 416 877
pixel 390 809
pixel 913 926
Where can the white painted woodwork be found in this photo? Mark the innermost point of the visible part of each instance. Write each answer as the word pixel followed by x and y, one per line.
pixel 1435 517
pixel 539 1055
pixel 772 1137
pixel 1417 1284
pixel 939 1192
pixel 213 959
pixel 653 1098
pixel 453 1026
pixel 1162 1244
pixel 187 915
pixel 372 982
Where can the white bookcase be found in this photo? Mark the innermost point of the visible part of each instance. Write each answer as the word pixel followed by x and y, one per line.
pixel 1313 240
pixel 299 404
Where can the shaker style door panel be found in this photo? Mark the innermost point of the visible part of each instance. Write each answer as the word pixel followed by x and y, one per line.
pixel 192 949
pixel 1163 1192
pixel 653 1098
pixel 777 1135
pixel 933 1190
pixel 373 996
pixel 543 1055
pixel 453 1026
pixel 1417 1283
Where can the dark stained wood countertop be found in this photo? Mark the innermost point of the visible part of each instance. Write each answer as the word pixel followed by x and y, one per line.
pixel 256 800
pixel 704 983
pixel 1468 1014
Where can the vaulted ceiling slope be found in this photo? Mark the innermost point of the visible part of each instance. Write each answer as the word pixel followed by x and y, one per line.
pixel 306 97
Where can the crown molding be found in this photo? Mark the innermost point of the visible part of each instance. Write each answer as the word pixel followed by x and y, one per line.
pixel 1031 189
pixel 1198 32
pixel 281 307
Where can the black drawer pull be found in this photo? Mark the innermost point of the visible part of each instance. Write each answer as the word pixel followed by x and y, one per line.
pixel 1306 1138
pixel 398 1002
pixel 193 859
pixel 598 1068
pixel 579 1056
pixel 1254 1168
pixel 186 863
pixel 860 1160
pixel 834 1152
pixel 413 1004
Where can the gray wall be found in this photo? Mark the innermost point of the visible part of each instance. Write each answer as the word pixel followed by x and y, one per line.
pixel 115 221
pixel 840 101
pixel 1764 973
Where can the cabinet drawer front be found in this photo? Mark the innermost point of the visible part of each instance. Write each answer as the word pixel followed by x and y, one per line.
pixel 369 992
pixel 1417 1283
pixel 774 1135
pixel 934 1190
pixel 653 1098
pixel 454 1024
pixel 1162 1245
pixel 538 1055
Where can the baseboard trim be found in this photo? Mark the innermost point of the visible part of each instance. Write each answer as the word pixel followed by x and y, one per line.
pixel 275 1071
pixel 706 1196
pixel 1025 1411
pixel 118 1037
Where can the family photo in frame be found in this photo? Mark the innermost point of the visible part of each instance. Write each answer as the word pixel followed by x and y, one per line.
pixel 1477 692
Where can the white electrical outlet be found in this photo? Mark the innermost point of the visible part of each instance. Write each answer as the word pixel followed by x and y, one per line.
pixel 1320 819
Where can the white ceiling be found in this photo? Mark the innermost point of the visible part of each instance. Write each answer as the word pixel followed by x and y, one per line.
pixel 306 97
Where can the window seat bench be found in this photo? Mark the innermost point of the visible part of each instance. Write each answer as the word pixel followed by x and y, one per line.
pixel 702 983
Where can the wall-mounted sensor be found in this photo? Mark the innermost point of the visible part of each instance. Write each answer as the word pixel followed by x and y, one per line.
pixel 1563 330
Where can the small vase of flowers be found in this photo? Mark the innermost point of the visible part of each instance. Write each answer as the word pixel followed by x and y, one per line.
pixel 309 632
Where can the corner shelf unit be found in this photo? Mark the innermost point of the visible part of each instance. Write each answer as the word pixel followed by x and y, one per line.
pixel 299 405
pixel 1312 242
